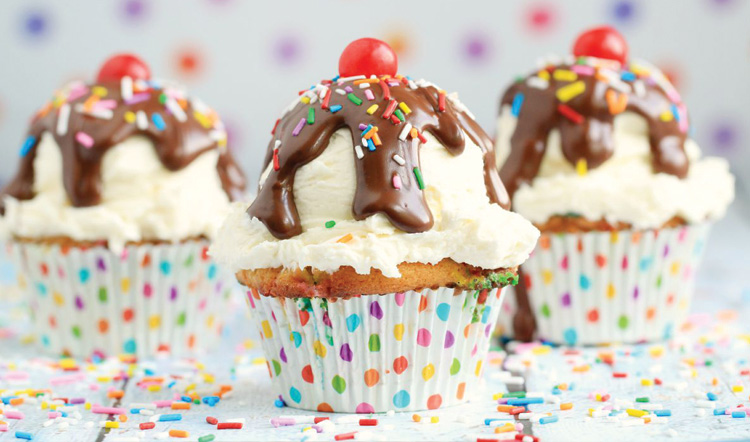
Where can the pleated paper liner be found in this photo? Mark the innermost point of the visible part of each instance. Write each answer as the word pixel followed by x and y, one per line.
pixel 149 298
pixel 374 353
pixel 613 287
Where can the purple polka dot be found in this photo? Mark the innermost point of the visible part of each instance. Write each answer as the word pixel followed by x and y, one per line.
pixel 636 292
pixel 100 264
pixel 624 11
pixel 424 337
pixel 666 250
pixel 79 303
pixel 476 48
pixel 565 300
pixel 287 49
pixel 282 355
pixel 724 137
pixel 487 330
pixel 134 9
pixel 346 353
pixel 327 320
pixel 375 310
pixel 365 408
pixel 35 24
pixel 449 340
pixel 173 293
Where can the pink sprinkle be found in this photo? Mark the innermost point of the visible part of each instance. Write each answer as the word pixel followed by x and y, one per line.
pixel 13 414
pixel 396 181
pixel 16 375
pixel 77 93
pixel 85 139
pixel 299 127
pixel 163 404
pixel 349 89
pixel 108 410
pixel 282 422
pixel 3 427
pixel 53 414
pixel 105 104
pixel 137 98
pixel 673 95
pixel 583 70
pixel 67 379
pixel 370 96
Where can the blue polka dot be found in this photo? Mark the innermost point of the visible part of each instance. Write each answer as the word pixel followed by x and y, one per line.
pixel 295 395
pixel 165 267
pixel 443 311
pixel 585 282
pixel 352 322
pixel 645 263
pixel 698 247
pixel 297 338
pixel 570 336
pixel 84 275
pixel 401 399
pixel 668 330
pixel 35 24
pixel 129 346
pixel 624 11
pixel 486 314
pixel 41 288
pixel 45 340
pixel 212 271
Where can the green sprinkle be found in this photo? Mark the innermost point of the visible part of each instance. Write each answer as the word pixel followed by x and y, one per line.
pixel 581 60
pixel 311 115
pixel 642 399
pixel 399 114
pixel 330 224
pixel 418 174
pixel 354 99
pixel 206 438
pixel 517 394
pixel 162 98
pixel 519 79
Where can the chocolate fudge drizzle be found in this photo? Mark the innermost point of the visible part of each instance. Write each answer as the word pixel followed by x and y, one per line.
pixel 304 132
pixel 99 117
pixel 581 101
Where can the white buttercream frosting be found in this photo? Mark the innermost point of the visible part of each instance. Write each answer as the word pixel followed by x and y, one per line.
pixel 140 198
pixel 625 187
pixel 467 228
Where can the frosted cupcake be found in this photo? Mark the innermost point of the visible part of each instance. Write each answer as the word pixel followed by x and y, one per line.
pixel 378 245
pixel 121 183
pixel 596 152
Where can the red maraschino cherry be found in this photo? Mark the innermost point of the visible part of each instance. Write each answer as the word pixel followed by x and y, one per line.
pixel 602 42
pixel 368 56
pixel 123 65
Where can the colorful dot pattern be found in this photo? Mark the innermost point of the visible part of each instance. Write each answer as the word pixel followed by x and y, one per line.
pixel 400 351
pixel 147 299
pixel 618 287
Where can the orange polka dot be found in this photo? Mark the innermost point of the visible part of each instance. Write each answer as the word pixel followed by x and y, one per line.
pixel 422 303
pixel 371 377
pixel 544 242
pixel 400 364
pixel 466 331
pixel 580 245
pixel 651 313
pixel 52 322
pixel 461 390
pixel 434 401
pixel 146 261
pixel 325 408
pixel 127 315
pixel 103 326
pixel 636 237
pixel 593 315
pixel 670 299
pixel 191 341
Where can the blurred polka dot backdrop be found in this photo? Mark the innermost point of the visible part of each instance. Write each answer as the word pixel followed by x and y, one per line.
pixel 249 59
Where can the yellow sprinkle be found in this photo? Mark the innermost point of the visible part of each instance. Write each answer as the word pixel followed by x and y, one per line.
pixel 99 91
pixel 416 418
pixel 67 363
pixel 305 99
pixel 564 75
pixel 110 424
pixel 497 396
pixel 154 387
pixel 130 117
pixel 346 238
pixel 647 382
pixel 434 419
pixel 738 388
pixel 666 116
pixel 202 119
pixel 87 405
pixel 544 75
pixel 567 93
pixel 506 428
pixel 636 413
pixel 582 167
pixel 44 405
pixel 541 350
pixel 371 110
pixel 103 379
pixel 404 108
pixel 656 351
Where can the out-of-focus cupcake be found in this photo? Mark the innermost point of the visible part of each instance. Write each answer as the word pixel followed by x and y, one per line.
pixel 121 183
pixel 378 245
pixel 596 151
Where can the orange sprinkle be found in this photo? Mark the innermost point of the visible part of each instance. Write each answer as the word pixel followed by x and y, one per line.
pixel 414 133
pixel 115 394
pixel 180 406
pixel 90 102
pixel 178 433
pixel 123 418
pixel 369 81
pixel 416 418
pixel 566 406
pixel 376 139
pixel 505 408
pixel 346 238
pixel 16 401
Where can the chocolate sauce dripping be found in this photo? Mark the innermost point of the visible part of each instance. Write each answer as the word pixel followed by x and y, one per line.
pixel 406 207
pixel 177 145
pixel 592 139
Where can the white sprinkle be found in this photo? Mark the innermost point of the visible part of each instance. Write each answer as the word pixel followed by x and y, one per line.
pixel 200 106
pixel 364 85
pixel 146 412
pixel 412 85
pixel 705 404
pixel 358 151
pixel 126 88
pixel 620 86
pixel 176 110
pixel 631 422
pixel 650 407
pixel 154 418
pixel 348 419
pixel 405 132
pixel 241 420
pixel 63 425
pixel 537 83
pixel 390 413
pixel 364 142
pixel 514 380
pixel 141 120
pixel 88 424
pixel 600 413
pixel 162 435
pixel 218 135
pixel 62 119
pixel 340 91
pixel 397 158
pixel 354 78
pixel 700 412
pixel 48 423
pixel 671 432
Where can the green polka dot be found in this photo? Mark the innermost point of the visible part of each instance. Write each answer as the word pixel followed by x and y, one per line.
pixel 545 311
pixel 623 322
pixel 658 282
pixel 374 344
pixel 339 384
pixel 103 294
pixel 189 261
pixel 181 319
pixel 455 367
pixel 77 331
pixel 276 367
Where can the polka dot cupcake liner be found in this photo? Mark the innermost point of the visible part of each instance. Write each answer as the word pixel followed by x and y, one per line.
pixel 374 353
pixel 606 287
pixel 149 298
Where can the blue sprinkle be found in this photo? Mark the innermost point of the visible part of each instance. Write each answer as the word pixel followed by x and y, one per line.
pixel 24 435
pixel 627 76
pixel 187 399
pixel 27 145
pixel 335 108
pixel 279 403
pixel 158 121
pixel 149 372
pixel 663 412
pixel 488 421
pixel 211 400
pixel 64 414
pixel 517 102
pixel 135 411
pixel 336 78
pixel 170 417
pixel 549 419
pixel 739 414
pixel 711 396
pixel 572 386
pixel 556 391
pixel 720 411
pixel 486 314
pixel 370 145
pixel 525 401
pixel 676 113
pixel 6 399
pixel 171 384
pixel 367 129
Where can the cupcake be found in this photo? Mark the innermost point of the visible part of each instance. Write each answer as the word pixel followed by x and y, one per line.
pixel 121 184
pixel 596 151
pixel 378 245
